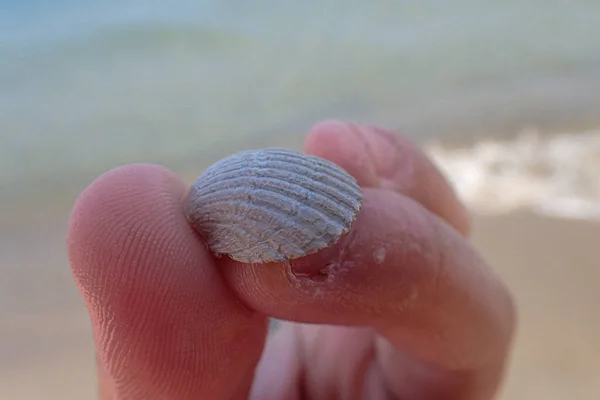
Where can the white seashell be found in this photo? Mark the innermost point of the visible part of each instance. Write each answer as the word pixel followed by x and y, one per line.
pixel 272 205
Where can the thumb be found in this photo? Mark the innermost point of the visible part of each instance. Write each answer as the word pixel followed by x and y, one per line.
pixel 165 325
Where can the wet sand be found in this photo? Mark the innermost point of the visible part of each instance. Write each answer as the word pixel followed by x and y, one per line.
pixel 551 265
pixel 552 268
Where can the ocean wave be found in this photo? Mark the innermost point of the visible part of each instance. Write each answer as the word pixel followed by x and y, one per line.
pixel 557 175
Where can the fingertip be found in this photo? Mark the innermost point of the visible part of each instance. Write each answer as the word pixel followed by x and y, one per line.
pixel 378 158
pixel 338 142
pixel 368 153
pixel 115 215
pixel 164 322
pixel 112 198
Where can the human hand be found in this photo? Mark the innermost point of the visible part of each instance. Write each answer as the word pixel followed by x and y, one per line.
pixel 400 308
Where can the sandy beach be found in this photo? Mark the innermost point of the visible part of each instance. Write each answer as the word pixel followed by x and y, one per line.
pixel 85 87
pixel 552 269
pixel 551 265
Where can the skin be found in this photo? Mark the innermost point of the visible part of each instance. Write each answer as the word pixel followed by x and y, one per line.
pixel 401 308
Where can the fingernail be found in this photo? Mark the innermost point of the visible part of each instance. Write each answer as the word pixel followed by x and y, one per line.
pixel 315 266
pixel 318 267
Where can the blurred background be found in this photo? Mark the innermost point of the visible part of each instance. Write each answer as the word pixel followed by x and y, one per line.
pixel 505 96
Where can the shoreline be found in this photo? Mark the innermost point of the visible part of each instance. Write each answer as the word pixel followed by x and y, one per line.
pixel 455 117
pixel 533 178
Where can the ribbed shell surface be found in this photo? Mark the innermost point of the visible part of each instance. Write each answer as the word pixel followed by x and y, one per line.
pixel 271 205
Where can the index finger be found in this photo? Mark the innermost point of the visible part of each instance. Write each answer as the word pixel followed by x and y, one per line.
pixel 404 269
pixel 401 270
pixel 377 158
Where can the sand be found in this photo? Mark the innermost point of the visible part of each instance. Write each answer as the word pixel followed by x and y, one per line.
pixel 46 351
pixel 552 268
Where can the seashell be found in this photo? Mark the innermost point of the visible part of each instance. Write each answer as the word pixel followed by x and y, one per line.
pixel 272 205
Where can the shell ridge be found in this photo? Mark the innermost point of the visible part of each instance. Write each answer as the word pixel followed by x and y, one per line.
pixel 304 222
pixel 240 232
pixel 239 160
pixel 325 198
pixel 217 216
pixel 260 206
pixel 325 191
pixel 344 193
pixel 294 160
pixel 335 219
pixel 308 224
pixel 304 232
pixel 349 187
pixel 325 166
pixel 297 249
pixel 257 240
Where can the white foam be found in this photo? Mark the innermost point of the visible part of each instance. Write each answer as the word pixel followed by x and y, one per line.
pixel 556 175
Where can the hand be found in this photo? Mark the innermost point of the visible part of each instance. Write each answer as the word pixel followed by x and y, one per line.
pixel 401 308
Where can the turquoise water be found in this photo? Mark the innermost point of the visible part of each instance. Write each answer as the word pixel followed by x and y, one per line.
pixel 86 86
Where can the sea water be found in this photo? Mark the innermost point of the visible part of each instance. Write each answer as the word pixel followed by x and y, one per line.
pixel 85 86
